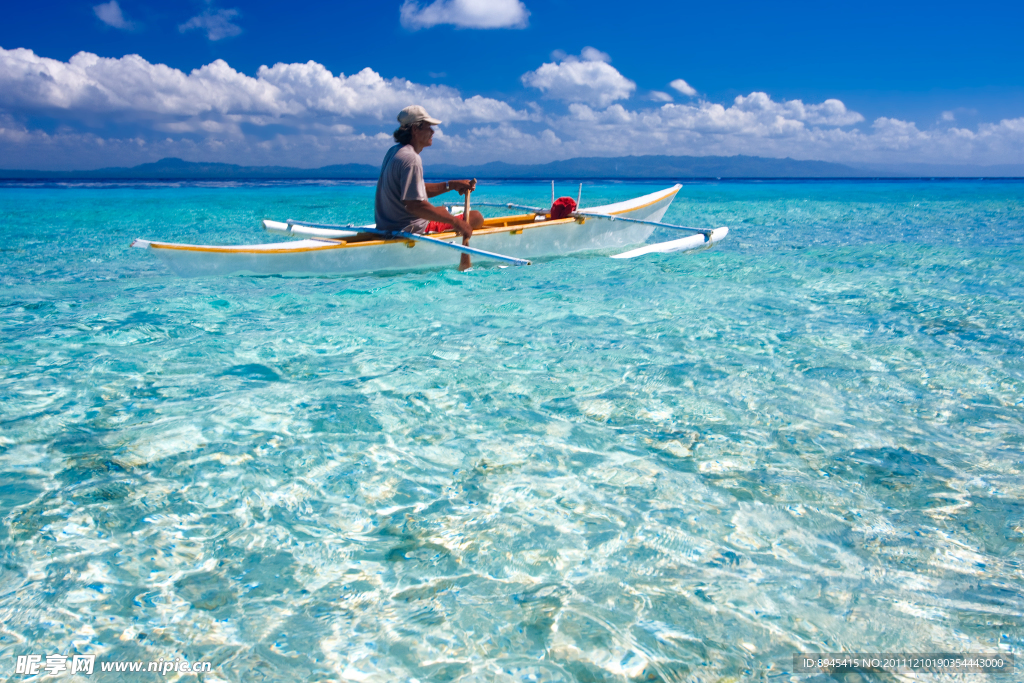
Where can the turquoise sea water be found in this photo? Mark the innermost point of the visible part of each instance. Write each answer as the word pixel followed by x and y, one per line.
pixel 684 467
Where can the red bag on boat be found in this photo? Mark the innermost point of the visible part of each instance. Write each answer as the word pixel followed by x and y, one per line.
pixel 563 207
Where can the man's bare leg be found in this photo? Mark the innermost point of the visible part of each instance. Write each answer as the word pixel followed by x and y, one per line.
pixel 476 221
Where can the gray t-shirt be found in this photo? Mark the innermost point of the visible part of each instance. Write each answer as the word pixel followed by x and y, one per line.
pixel 401 179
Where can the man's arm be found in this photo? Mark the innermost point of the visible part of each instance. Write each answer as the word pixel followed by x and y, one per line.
pixel 424 209
pixel 434 189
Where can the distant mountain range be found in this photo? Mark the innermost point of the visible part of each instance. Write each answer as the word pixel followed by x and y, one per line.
pixel 178 169
pixel 653 167
pixel 668 167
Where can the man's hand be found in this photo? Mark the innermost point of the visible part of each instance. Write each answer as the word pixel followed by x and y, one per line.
pixel 463 227
pixel 435 189
pixel 462 185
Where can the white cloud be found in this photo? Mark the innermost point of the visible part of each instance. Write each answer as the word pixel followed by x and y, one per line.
pixel 101 111
pixel 659 96
pixel 216 24
pixel 310 116
pixel 592 54
pixel 110 13
pixel 896 134
pixel 87 85
pixel 613 115
pixel 465 14
pixel 502 140
pixel 948 116
pixel 683 87
pixel 757 125
pixel 829 112
pixel 368 95
pixel 589 79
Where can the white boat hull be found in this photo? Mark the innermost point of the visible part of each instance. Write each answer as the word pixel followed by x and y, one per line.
pixel 331 257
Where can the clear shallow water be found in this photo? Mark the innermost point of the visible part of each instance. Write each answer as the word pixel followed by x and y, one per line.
pixel 684 467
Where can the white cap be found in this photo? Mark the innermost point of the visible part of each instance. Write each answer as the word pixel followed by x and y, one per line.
pixel 414 114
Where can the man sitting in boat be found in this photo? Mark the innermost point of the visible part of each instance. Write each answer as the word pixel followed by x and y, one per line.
pixel 401 202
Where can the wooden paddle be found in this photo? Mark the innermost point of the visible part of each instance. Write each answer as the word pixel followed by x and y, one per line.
pixel 464 261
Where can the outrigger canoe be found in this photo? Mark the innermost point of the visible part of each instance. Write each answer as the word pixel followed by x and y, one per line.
pixel 327 251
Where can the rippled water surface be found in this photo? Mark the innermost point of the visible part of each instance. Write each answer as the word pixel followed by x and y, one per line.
pixel 684 467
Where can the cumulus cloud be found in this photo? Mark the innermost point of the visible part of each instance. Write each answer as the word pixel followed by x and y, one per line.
pixel 828 113
pixel 683 87
pixel 91 111
pixel 217 24
pixel 24 147
pixel 589 79
pixel 592 54
pixel 659 96
pixel 757 125
pixel 110 14
pixel 302 111
pixel 465 14
pixel 88 84
pixel 368 95
pixel 502 140
pixel 753 124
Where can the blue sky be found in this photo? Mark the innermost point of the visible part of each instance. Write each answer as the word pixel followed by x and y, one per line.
pixel 516 80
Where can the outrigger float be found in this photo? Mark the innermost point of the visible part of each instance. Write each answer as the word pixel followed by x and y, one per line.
pixel 342 250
